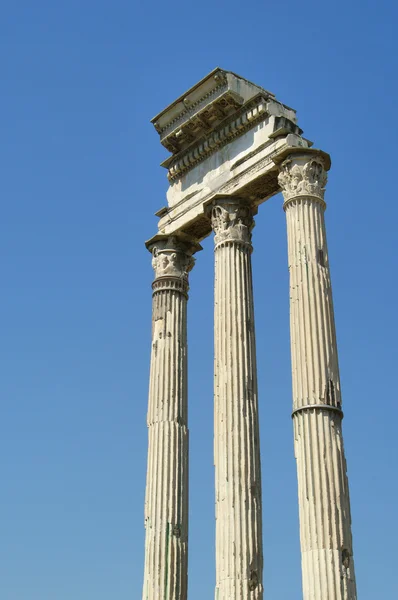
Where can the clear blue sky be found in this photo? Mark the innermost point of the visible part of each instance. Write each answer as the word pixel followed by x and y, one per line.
pixel 79 187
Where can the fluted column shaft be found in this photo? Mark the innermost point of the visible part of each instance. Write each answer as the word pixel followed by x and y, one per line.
pixel 166 501
pixel 324 505
pixel 239 559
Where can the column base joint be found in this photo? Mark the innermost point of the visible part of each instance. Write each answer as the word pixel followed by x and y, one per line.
pixel 334 409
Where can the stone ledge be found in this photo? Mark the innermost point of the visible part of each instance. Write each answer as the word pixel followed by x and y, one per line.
pixel 195 114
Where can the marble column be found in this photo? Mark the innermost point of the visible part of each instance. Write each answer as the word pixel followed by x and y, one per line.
pixel 239 558
pixel 324 504
pixel 166 501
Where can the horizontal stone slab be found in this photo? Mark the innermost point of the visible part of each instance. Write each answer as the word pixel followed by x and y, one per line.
pixel 230 151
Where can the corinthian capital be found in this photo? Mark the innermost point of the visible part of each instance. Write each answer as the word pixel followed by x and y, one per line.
pixel 232 220
pixel 303 175
pixel 172 258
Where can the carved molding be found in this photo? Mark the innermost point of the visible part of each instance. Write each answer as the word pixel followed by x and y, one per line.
pixel 225 134
pixel 171 284
pixel 172 258
pixel 221 79
pixel 303 175
pixel 232 221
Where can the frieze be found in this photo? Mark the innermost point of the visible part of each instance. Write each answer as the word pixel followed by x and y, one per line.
pixel 252 184
pixel 239 125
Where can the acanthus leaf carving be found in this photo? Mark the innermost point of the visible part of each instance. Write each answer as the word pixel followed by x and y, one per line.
pixel 170 259
pixel 232 220
pixel 303 175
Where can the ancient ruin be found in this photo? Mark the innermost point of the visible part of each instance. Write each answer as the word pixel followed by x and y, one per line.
pixel 233 146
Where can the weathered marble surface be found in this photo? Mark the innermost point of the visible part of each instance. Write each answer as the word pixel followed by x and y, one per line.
pixel 239 551
pixel 234 145
pixel 324 504
pixel 166 499
pixel 223 134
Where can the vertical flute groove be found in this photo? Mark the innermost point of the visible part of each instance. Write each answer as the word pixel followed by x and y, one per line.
pixel 166 499
pixel 239 560
pixel 325 523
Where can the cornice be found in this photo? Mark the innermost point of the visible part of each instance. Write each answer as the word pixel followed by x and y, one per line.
pixel 197 85
pixel 203 108
pixel 241 122
pixel 191 106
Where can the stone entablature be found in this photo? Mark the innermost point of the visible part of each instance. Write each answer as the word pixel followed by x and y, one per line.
pixel 234 146
pixel 236 125
pixel 226 136
pixel 216 138
pixel 203 107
